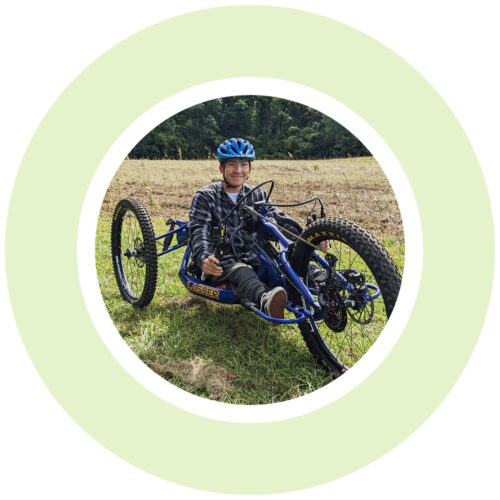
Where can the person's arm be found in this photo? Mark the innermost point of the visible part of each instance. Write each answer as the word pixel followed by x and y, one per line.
pixel 200 229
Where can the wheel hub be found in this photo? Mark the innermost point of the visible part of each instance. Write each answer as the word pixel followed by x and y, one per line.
pixel 137 252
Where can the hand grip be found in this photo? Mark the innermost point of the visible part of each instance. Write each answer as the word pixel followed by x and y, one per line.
pixel 218 239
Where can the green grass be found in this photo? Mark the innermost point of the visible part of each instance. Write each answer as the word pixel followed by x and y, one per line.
pixel 268 364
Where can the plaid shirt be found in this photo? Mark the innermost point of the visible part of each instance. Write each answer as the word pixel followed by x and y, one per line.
pixel 210 205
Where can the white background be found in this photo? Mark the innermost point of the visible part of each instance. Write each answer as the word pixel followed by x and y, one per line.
pixel 45 45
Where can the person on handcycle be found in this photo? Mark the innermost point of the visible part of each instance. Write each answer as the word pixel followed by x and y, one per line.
pixel 237 263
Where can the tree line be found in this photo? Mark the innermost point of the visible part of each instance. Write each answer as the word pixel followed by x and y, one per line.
pixel 278 128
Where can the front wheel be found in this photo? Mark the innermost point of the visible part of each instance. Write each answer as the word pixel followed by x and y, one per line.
pixel 133 247
pixel 353 312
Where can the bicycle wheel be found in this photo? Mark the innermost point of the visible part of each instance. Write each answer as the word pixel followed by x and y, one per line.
pixel 133 247
pixel 353 313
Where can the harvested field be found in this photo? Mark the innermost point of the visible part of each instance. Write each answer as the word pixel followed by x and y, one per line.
pixel 353 188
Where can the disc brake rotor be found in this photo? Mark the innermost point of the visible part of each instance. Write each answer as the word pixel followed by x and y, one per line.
pixel 333 306
pixel 361 311
pixel 139 249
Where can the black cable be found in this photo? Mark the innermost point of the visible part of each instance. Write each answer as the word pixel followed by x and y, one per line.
pixel 246 196
pixel 236 233
pixel 298 204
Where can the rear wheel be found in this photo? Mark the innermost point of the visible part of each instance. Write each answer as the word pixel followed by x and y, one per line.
pixel 352 312
pixel 133 247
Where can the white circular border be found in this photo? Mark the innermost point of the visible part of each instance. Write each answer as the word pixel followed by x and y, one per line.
pixel 87 233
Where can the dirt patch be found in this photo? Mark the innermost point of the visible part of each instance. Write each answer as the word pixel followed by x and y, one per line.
pixel 196 375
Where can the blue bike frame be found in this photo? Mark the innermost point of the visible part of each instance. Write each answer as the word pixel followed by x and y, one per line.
pixel 273 270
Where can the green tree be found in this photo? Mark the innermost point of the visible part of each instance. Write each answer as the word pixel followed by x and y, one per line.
pixel 277 127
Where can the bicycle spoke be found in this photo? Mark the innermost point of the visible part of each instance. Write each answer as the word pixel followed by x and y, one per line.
pixel 365 322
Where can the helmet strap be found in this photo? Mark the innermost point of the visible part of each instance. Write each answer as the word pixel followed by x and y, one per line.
pixel 224 177
pixel 227 183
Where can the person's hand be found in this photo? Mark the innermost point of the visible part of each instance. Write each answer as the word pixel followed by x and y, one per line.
pixel 324 245
pixel 210 266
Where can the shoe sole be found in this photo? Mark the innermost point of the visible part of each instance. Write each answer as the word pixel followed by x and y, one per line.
pixel 277 306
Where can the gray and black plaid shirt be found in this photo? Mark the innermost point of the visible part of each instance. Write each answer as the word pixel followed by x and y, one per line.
pixel 210 205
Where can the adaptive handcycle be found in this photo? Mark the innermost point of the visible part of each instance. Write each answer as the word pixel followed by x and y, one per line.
pixel 340 295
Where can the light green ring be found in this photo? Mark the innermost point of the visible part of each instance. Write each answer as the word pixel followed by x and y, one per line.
pixel 235 457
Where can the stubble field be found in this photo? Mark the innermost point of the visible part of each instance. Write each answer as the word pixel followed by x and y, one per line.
pixel 353 188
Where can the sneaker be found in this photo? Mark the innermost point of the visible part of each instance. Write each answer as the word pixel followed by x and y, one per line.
pixel 273 303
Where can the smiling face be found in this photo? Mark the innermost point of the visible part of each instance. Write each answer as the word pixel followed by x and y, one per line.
pixel 236 171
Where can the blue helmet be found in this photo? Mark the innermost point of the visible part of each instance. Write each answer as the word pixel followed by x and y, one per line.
pixel 236 148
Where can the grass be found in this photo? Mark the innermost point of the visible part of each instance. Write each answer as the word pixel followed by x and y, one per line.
pixel 226 352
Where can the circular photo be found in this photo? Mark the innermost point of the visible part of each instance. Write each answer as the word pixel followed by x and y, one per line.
pixel 250 250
